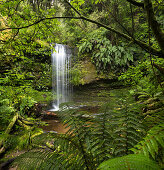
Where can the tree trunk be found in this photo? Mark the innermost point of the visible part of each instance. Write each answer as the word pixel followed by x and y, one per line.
pixel 161 69
pixel 155 26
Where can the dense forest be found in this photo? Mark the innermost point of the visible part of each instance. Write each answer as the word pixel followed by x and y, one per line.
pixel 117 45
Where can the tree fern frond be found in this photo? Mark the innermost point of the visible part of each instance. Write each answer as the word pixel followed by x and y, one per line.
pixel 131 161
pixel 127 128
pixel 90 141
pixel 32 160
pixel 152 142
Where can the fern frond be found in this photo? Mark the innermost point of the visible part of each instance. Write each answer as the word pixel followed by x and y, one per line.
pixel 152 143
pixel 32 160
pixel 131 161
pixel 127 128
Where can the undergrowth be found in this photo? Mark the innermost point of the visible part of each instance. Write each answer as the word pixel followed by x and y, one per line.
pixel 92 139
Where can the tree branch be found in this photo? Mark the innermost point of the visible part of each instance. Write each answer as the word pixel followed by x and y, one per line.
pixel 139 4
pixel 138 42
pixel 73 7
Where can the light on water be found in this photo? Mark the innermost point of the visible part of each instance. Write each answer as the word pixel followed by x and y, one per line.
pixel 61 87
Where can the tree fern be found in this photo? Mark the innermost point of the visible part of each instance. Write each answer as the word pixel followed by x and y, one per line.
pixel 91 139
pixel 79 135
pixel 132 161
pixel 100 142
pixel 152 145
pixel 127 127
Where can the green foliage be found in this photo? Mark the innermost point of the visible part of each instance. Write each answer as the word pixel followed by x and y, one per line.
pixel 40 160
pixel 6 112
pixel 104 55
pixel 131 161
pixel 127 127
pixel 76 76
pixel 90 139
pixel 94 138
pixel 153 144
pixel 135 73
pixel 19 99
pixel 22 139
pixel 23 98
pixel 26 104
pixel 144 78
pixel 147 86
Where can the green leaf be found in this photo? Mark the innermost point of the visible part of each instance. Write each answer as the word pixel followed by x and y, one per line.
pixel 131 161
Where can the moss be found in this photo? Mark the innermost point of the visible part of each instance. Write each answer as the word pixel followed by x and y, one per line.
pixel 84 72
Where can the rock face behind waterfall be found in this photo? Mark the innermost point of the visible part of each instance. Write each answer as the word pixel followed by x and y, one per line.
pixel 88 73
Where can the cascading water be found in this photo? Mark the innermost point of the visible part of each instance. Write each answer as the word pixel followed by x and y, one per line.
pixel 61 87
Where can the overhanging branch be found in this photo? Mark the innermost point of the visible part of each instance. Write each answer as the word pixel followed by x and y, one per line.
pixel 139 4
pixel 138 42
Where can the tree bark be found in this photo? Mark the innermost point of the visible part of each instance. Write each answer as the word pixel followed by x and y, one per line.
pixel 161 69
pixel 155 26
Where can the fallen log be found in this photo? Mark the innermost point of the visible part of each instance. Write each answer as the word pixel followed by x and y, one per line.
pixel 7 131
pixel 9 128
pixel 25 121
pixel 20 123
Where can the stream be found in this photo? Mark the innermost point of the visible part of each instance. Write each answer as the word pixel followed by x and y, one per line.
pixel 88 98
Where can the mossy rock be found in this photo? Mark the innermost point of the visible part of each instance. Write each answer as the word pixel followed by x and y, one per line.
pixel 84 72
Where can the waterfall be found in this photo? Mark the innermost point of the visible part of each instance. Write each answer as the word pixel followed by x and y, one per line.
pixel 61 87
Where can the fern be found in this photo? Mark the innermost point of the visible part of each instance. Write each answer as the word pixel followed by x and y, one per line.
pixel 101 136
pixel 79 136
pixel 127 127
pixel 32 159
pixel 6 112
pixel 131 161
pixel 152 144
pixel 90 139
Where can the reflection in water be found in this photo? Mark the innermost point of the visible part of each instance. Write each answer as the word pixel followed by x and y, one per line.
pixel 54 126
